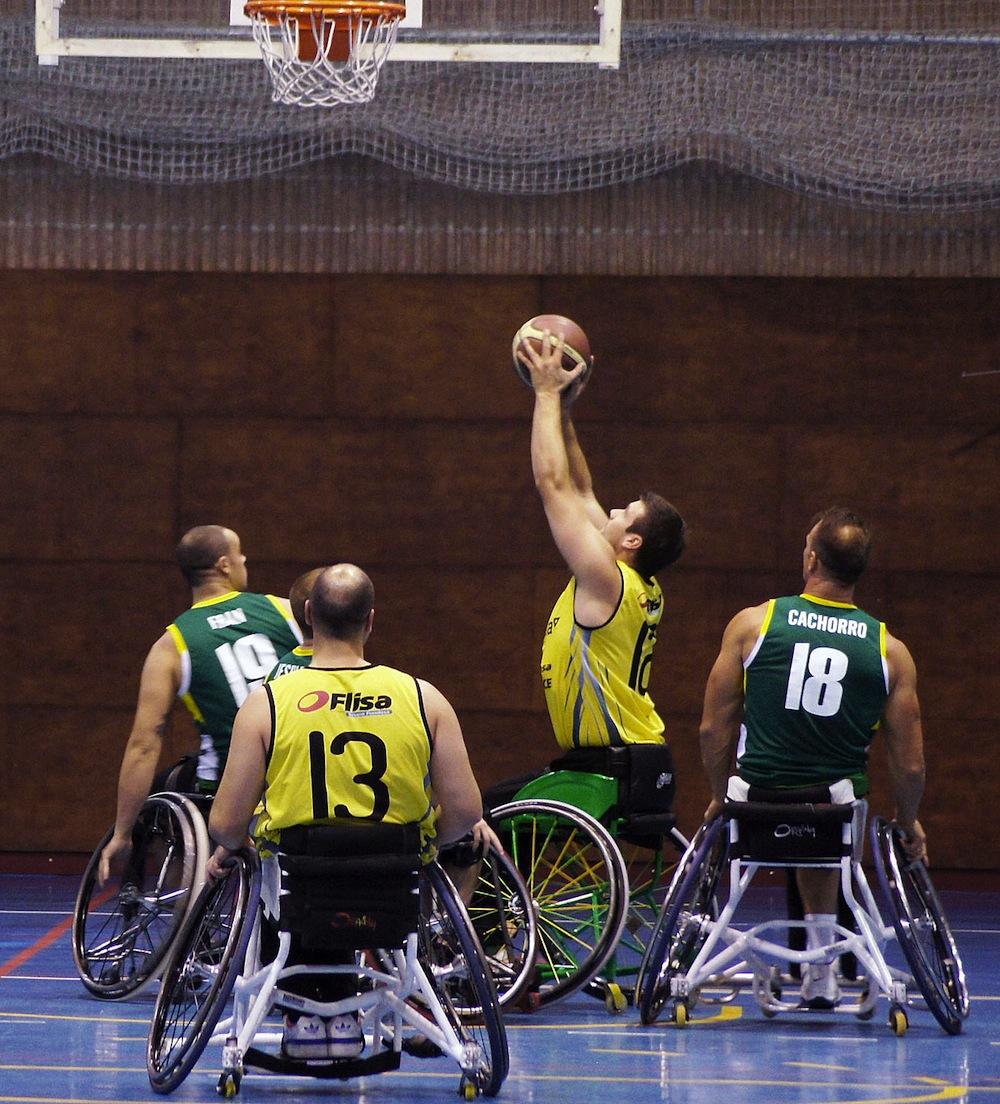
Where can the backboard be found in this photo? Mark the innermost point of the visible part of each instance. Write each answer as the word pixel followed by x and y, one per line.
pixel 558 31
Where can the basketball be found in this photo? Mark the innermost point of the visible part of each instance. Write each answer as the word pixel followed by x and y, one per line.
pixel 576 346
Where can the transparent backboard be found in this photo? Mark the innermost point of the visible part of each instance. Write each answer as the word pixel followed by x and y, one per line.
pixel 567 31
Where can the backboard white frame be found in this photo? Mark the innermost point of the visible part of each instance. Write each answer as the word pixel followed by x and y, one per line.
pixel 50 46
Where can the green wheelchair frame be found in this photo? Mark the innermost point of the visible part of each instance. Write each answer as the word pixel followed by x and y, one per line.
pixel 596 893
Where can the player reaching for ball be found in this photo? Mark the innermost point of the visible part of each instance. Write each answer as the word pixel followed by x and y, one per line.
pixel 599 640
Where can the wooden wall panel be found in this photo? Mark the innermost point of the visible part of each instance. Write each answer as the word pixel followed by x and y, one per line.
pixel 949 624
pixel 86 488
pixel 931 493
pixel 770 350
pixel 378 419
pixel 428 349
pixel 97 622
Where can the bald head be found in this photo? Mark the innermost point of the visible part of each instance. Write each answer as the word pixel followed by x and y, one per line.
pixel 842 541
pixel 341 600
pixel 200 549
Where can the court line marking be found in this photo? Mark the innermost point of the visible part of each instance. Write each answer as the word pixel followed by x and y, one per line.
pixel 35 912
pixel 37 977
pixel 817 1065
pixel 81 1019
pixel 50 937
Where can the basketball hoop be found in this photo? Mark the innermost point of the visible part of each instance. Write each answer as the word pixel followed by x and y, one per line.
pixel 324 52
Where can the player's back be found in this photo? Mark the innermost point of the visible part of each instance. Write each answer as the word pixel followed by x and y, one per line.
pixel 816 686
pixel 347 742
pixel 227 645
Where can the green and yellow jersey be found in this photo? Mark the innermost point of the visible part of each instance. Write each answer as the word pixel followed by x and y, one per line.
pixel 815 687
pixel 226 646
pixel 347 742
pixel 300 656
pixel 596 680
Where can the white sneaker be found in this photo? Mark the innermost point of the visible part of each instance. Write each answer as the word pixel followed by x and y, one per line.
pixel 345 1038
pixel 820 990
pixel 305 1037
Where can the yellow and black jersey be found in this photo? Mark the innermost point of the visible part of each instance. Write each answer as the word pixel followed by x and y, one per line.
pixel 347 742
pixel 596 680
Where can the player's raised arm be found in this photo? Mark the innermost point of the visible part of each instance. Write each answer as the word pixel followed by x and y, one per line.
pixel 583 546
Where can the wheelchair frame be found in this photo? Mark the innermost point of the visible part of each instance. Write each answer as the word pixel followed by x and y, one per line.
pixel 626 891
pixel 694 945
pixel 408 993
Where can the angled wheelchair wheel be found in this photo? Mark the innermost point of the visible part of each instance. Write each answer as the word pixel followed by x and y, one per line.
pixel 684 923
pixel 201 971
pixel 457 967
pixel 578 887
pixel 122 932
pixel 921 928
pixel 650 871
pixel 501 911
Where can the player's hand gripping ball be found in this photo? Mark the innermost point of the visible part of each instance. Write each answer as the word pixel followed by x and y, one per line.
pixel 576 347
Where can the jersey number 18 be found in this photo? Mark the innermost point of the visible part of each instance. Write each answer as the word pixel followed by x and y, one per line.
pixel 820 693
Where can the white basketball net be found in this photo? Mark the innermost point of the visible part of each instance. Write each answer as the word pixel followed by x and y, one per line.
pixel 323 81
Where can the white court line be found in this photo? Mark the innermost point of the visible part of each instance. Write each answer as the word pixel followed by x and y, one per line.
pixel 38 912
pixel 36 977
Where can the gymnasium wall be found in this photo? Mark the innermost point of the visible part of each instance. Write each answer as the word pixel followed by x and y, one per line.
pixel 378 419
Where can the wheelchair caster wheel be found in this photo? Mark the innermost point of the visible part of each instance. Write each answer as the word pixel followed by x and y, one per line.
pixel 229 1084
pixel 615 1000
pixel 468 1089
pixel 898 1020
pixel 679 1014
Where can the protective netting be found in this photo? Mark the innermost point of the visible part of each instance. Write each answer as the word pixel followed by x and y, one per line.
pixel 891 104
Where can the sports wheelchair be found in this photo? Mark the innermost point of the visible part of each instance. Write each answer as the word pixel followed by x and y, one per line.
pixel 351 900
pixel 697 954
pixel 595 842
pixel 122 932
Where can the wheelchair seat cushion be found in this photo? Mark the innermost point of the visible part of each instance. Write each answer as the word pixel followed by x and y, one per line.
pixel 645 774
pixel 350 885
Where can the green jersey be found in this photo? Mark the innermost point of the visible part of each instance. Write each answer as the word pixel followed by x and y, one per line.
pixel 299 656
pixel 226 647
pixel 815 686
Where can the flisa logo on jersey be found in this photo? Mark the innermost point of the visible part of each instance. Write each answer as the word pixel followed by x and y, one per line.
pixel 350 702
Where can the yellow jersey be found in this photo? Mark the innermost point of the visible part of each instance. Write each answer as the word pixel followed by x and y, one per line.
pixel 596 680
pixel 347 742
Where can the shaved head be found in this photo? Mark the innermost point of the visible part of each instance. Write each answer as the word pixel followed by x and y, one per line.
pixel 201 548
pixel 341 600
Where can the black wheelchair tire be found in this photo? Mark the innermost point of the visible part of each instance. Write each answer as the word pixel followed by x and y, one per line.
pixel 218 962
pixel 445 924
pixel 915 907
pixel 679 932
pixel 168 819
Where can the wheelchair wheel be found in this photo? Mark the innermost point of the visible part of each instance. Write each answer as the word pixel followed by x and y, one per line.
pixel 921 928
pixel 578 886
pixel 122 933
pixel 201 971
pixel 503 916
pixel 457 967
pixel 650 871
pixel 684 922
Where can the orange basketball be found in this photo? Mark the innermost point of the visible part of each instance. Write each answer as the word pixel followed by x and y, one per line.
pixel 576 346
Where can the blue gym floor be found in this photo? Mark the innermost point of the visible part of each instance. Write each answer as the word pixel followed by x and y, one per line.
pixel 59 1044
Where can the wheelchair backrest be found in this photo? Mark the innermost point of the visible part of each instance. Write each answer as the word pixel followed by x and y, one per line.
pixel 788 832
pixel 350 885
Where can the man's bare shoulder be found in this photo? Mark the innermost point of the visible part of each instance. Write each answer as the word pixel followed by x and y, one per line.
pixel 749 621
